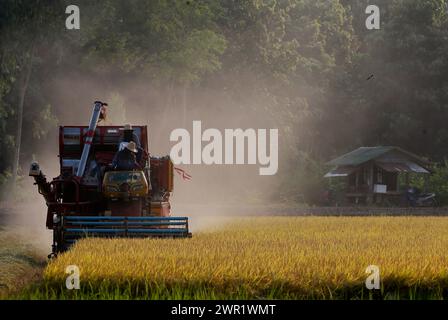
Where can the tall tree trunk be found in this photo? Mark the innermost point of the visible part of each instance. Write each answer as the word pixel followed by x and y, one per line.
pixel 22 94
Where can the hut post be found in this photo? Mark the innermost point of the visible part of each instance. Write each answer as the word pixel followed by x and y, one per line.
pixel 370 193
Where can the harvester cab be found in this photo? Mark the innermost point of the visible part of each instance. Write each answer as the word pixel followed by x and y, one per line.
pixel 91 198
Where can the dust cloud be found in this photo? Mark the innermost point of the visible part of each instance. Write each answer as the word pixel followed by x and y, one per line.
pixel 214 190
pixel 25 223
pixel 136 101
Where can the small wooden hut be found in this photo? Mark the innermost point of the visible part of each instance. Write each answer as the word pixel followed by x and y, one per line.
pixel 372 173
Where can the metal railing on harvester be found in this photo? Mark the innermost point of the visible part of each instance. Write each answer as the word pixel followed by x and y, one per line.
pixel 75 227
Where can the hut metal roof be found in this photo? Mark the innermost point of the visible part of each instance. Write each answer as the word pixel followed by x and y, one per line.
pixel 364 154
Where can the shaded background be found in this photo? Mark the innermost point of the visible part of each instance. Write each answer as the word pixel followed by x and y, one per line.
pixel 309 68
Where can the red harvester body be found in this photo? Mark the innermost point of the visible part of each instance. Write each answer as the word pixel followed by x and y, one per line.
pixel 89 198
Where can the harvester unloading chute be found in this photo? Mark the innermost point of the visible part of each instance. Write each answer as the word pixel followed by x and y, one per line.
pixel 98 110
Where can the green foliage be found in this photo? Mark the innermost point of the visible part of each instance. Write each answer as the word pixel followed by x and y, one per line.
pixel 303 182
pixel 198 55
pixel 437 182
pixel 168 40
pixel 298 65
pixel 5 177
pixel 44 122
pixel 22 52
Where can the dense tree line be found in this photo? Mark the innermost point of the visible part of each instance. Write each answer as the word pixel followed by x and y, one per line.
pixel 308 67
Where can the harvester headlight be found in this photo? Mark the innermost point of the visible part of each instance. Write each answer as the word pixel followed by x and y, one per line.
pixel 138 187
pixel 111 189
pixel 56 219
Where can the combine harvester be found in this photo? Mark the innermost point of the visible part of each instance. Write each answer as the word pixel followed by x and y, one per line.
pixel 90 198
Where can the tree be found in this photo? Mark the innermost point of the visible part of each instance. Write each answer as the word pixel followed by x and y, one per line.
pixel 19 48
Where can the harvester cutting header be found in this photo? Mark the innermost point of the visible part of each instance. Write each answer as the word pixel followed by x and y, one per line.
pixel 109 185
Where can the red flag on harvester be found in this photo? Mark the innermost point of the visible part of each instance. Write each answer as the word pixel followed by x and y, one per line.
pixel 183 174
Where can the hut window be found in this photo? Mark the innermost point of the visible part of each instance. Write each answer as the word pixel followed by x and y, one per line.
pixel 379 175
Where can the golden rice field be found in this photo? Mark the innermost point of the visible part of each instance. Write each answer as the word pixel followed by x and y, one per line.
pixel 264 257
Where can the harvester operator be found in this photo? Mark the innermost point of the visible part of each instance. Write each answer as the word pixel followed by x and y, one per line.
pixel 129 135
pixel 125 159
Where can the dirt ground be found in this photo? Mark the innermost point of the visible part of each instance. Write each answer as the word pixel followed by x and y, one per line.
pixel 24 245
